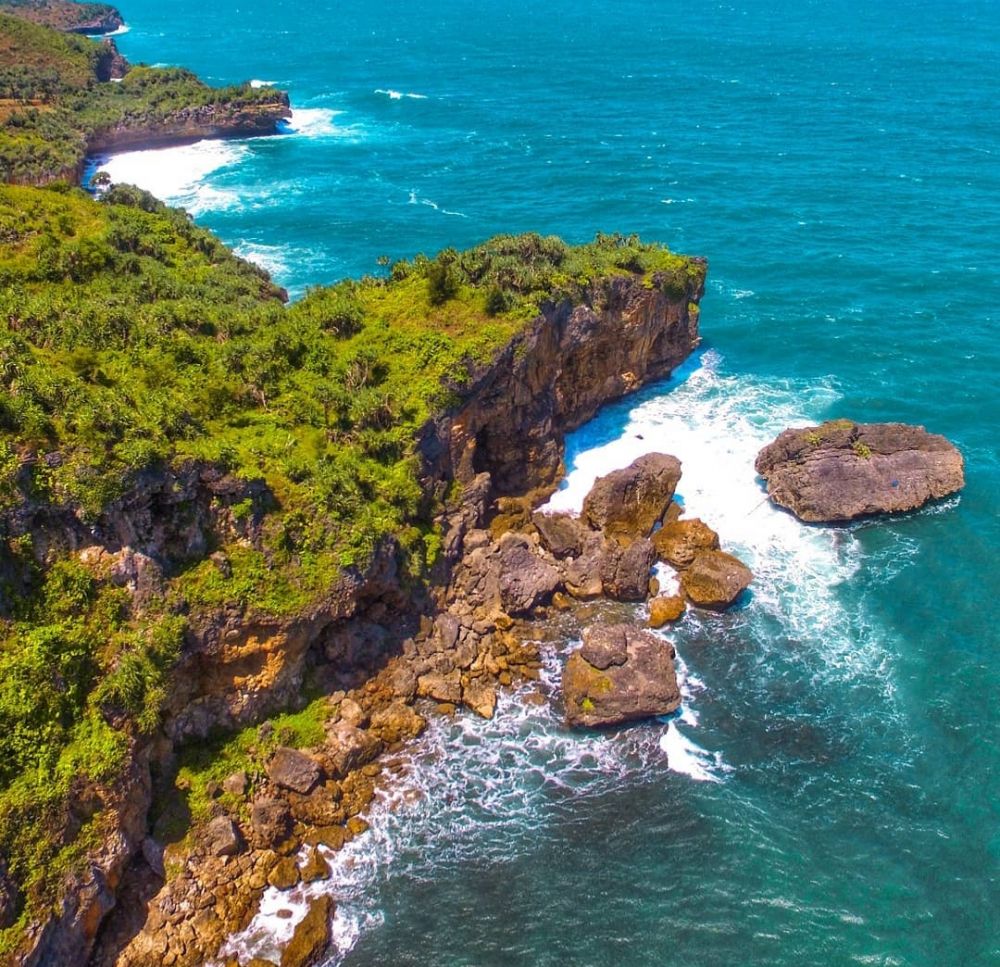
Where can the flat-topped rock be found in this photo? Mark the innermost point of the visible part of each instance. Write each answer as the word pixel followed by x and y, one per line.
pixel 620 674
pixel 678 541
pixel 627 504
pixel 841 470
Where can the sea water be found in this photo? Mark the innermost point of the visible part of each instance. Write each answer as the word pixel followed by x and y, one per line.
pixel 829 792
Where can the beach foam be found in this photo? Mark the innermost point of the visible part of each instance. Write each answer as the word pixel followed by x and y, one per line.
pixel 177 175
pixel 399 95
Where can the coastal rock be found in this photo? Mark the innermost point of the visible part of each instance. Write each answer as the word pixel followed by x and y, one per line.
pixel 562 535
pixel 222 837
pixel 525 580
pixel 633 678
pixel 291 769
pixel 270 822
pixel 715 579
pixel 348 747
pixel 583 575
pixel 481 698
pixel 679 541
pixel 625 570
pixel 312 936
pixel 841 470
pixel 626 504
pixel 315 867
pixel 664 609
pixel 397 721
pixel 441 688
pixel 285 874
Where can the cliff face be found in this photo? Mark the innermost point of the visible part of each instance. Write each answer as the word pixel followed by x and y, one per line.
pixel 554 377
pixel 193 124
pixel 505 437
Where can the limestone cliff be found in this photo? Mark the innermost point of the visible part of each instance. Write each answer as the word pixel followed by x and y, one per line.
pixel 503 437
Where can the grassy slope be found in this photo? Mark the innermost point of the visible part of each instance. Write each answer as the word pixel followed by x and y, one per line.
pixel 51 101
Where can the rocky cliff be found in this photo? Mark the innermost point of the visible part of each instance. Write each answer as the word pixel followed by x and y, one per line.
pixel 504 437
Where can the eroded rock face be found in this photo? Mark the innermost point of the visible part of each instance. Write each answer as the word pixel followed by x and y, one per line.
pixel 625 570
pixel 621 673
pixel 525 579
pixel 626 504
pixel 715 579
pixel 678 541
pixel 842 470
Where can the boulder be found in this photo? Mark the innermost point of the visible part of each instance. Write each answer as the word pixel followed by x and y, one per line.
pixel 621 673
pixel 664 609
pixel 312 935
pixel 562 535
pixel 291 769
pixel 222 837
pixel 270 822
pixel 441 688
pixel 396 722
pixel 285 874
pixel 481 697
pixel 679 541
pixel 525 579
pixel 583 575
pixel 315 867
pixel 715 579
pixel 235 784
pixel 625 569
pixel 348 747
pixel 841 470
pixel 627 504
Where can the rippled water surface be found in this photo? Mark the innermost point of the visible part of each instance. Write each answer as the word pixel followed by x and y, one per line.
pixel 829 793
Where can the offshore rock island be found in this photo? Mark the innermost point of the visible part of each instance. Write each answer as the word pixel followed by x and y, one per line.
pixel 233 530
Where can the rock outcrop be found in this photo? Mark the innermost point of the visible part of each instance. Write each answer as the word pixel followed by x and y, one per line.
pixel 678 541
pixel 715 579
pixel 189 124
pixel 620 674
pixel 626 504
pixel 311 936
pixel 841 470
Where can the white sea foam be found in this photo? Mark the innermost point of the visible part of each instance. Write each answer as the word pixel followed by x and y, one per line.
pixel 123 29
pixel 399 95
pixel 415 199
pixel 317 122
pixel 685 757
pixel 257 84
pixel 177 175
pixel 273 258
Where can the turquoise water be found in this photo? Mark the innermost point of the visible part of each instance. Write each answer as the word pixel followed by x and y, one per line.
pixel 830 794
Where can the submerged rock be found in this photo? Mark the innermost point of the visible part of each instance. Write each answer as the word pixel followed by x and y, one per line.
pixel 627 504
pixel 842 470
pixel 312 935
pixel 715 579
pixel 621 673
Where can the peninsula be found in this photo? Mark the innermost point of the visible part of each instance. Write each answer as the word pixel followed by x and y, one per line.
pixel 233 529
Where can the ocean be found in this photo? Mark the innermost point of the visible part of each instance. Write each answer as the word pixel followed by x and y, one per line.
pixel 830 792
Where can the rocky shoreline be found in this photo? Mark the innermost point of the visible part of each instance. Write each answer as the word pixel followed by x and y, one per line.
pixel 386 651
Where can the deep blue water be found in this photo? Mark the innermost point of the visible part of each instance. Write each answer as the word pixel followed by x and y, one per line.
pixel 839 165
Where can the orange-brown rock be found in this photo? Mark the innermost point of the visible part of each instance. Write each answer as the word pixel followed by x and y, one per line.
pixel 715 579
pixel 664 609
pixel 626 504
pixel 679 541
pixel 312 935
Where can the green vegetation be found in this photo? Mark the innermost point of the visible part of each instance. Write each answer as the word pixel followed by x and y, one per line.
pixel 862 449
pixel 197 784
pixel 56 98
pixel 133 342
pixel 135 346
